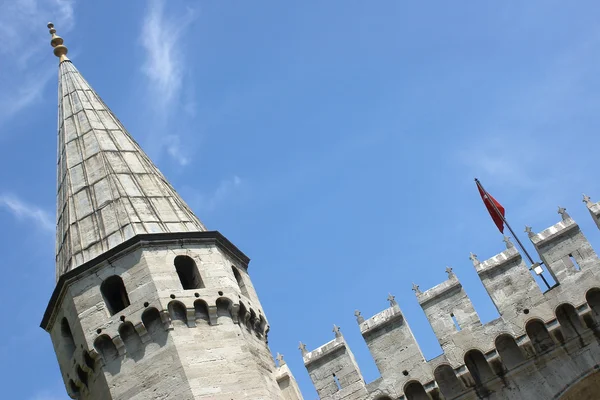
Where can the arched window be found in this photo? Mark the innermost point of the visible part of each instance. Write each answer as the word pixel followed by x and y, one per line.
pixel 478 367
pixel 67 337
pixel 415 391
pixel 240 281
pixel 539 336
pixel 114 294
pixel 188 273
pixel 509 351
pixel 447 381
pixel 570 325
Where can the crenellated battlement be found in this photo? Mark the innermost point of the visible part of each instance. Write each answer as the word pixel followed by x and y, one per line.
pixel 485 360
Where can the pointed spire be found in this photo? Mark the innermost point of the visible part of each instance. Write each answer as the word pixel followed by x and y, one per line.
pixel 108 189
pixel 60 50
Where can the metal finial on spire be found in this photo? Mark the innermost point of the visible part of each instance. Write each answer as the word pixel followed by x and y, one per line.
pixel 60 50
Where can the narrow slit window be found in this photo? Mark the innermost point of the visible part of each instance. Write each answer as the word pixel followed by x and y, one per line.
pixel 187 270
pixel 114 294
pixel 456 325
pixel 574 262
pixel 337 382
pixel 240 281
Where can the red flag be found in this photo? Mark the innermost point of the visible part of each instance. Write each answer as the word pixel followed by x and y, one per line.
pixel 487 200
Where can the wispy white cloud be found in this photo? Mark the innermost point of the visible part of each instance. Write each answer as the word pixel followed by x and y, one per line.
pixel 23 210
pixel 176 150
pixel 226 189
pixel 25 51
pixel 164 67
pixel 164 63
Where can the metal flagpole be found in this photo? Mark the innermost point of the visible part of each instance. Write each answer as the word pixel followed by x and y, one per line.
pixel 510 229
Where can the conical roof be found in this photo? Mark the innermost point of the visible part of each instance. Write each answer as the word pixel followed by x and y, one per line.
pixel 108 189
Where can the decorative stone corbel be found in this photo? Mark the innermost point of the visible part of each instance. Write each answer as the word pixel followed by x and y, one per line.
pixel 191 317
pixel 235 310
pixel 166 320
pixel 119 345
pixel 141 330
pixel 212 315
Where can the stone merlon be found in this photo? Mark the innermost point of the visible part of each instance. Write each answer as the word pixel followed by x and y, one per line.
pixel 449 286
pixel 328 348
pixel 553 232
pixel 380 320
pixel 507 256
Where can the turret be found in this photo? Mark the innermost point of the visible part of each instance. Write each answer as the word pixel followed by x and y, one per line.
pixel 149 304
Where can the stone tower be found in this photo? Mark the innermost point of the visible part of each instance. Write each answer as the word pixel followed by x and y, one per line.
pixel 148 303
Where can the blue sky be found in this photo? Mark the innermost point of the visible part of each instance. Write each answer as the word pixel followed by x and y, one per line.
pixel 334 142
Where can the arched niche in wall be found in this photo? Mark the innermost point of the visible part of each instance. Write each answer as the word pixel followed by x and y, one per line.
pixel 201 311
pixel 154 325
pixel 106 348
pixel 593 299
pixel 510 353
pixel 567 317
pixel 447 381
pixel 224 306
pixel 539 336
pixel 415 391
pixel 478 367
pixel 178 313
